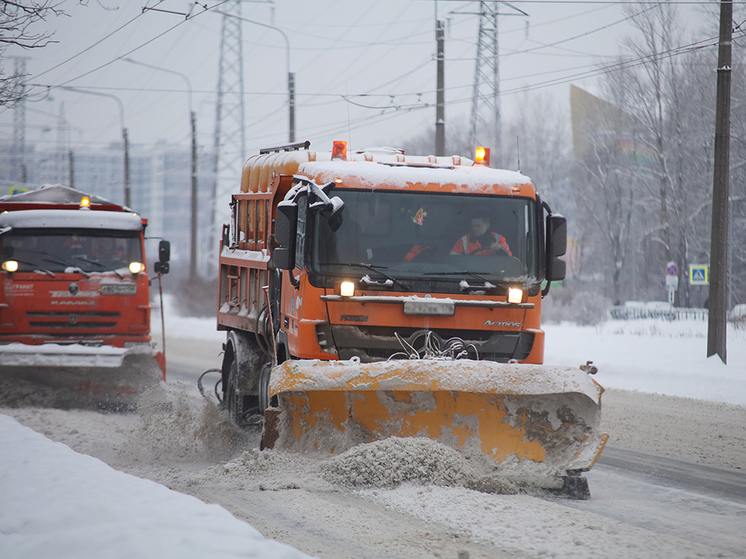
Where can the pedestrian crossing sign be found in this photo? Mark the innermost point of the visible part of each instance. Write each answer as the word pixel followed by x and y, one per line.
pixel 698 274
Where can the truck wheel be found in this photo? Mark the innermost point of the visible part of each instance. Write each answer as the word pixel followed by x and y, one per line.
pixel 264 400
pixel 234 403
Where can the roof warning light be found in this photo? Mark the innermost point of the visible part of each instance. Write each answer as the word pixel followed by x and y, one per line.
pixel 482 156
pixel 339 150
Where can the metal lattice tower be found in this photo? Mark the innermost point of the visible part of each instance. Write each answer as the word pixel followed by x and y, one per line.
pixel 486 127
pixel 230 142
pixel 19 122
pixel 485 101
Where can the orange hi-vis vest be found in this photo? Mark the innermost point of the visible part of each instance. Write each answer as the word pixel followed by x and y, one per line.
pixel 469 245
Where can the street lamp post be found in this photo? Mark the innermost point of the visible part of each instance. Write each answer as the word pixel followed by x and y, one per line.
pixel 125 138
pixel 193 126
pixel 291 76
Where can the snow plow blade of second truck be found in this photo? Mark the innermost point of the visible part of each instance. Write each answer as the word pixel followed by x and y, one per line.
pixel 77 376
pixel 532 420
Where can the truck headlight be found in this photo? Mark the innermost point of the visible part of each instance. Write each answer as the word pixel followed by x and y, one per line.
pixel 10 266
pixel 136 267
pixel 346 289
pixel 515 295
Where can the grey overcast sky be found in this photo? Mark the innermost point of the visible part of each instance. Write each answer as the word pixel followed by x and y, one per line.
pixel 365 71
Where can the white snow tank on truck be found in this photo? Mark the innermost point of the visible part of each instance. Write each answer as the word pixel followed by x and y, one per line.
pixel 74 302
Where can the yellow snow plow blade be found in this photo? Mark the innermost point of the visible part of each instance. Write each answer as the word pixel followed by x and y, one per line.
pixel 516 414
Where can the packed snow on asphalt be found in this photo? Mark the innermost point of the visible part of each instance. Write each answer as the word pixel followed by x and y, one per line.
pixel 83 484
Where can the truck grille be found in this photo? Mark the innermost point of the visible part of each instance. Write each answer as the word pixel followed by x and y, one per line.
pixel 376 343
pixel 68 320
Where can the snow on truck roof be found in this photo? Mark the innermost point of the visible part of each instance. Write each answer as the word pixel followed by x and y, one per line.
pixel 474 179
pixel 81 219
pixel 56 194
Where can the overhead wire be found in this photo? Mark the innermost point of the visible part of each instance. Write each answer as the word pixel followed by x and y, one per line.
pixel 70 59
pixel 104 65
pixel 395 80
pixel 590 72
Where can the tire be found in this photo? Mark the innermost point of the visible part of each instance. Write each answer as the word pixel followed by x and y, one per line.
pixel 264 387
pixel 242 369
pixel 234 402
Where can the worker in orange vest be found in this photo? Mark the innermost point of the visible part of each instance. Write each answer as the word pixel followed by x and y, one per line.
pixel 480 240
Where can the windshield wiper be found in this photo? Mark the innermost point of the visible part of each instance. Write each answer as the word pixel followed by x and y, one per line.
pixel 69 265
pixel 464 273
pixel 378 269
pixel 84 259
pixel 41 270
pixel 49 257
pixel 465 285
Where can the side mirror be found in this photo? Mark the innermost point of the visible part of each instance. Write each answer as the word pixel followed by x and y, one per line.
pixel 164 255
pixel 556 247
pixel 286 221
pixel 164 251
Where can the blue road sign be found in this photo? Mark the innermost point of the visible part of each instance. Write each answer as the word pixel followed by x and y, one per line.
pixel 698 274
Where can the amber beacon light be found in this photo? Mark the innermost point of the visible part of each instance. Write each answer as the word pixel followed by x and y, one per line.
pixel 339 150
pixel 482 156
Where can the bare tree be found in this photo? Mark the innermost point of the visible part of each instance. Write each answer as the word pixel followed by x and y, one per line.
pixel 537 143
pixel 17 20
pixel 606 148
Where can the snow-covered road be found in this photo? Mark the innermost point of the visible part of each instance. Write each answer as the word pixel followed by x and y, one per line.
pixel 292 499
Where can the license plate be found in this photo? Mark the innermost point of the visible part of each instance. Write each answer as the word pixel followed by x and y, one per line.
pixel 119 289
pixel 430 308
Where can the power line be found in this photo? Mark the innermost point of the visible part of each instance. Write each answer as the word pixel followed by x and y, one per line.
pixel 608 2
pixel 125 55
pixel 91 46
pixel 590 72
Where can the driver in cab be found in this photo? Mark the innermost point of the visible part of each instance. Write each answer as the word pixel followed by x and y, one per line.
pixel 481 240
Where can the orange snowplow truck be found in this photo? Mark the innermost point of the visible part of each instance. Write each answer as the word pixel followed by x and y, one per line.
pixel 376 294
pixel 74 301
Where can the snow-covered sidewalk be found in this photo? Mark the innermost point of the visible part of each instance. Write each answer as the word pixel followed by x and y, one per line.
pixel 654 355
pixel 57 503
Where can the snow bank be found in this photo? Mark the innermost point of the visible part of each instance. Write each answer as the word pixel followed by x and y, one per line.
pixel 393 461
pixel 655 356
pixel 58 503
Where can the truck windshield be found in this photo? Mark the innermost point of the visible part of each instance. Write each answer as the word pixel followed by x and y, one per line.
pixel 417 234
pixel 56 251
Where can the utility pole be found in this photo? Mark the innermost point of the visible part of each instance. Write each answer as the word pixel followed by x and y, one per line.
pixel 63 146
pixel 718 307
pixel 127 189
pixel 193 206
pixel 291 103
pixel 71 168
pixel 440 106
pixel 19 120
